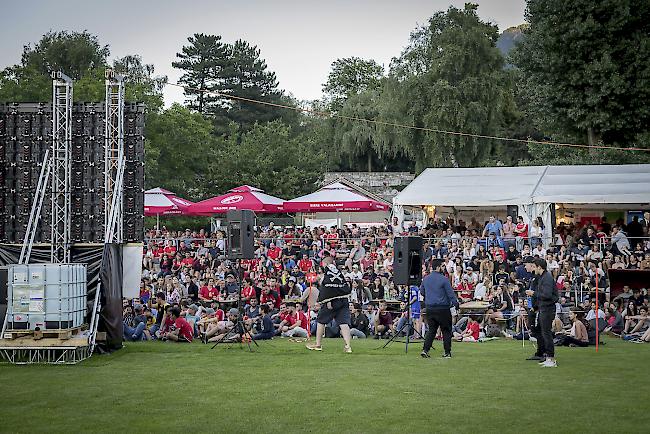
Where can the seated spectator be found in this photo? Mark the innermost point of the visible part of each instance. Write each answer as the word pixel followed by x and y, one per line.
pixel 383 321
pixel 615 322
pixel 358 322
pixel 620 243
pixel 267 331
pixel 135 327
pixel 576 336
pixel 295 323
pixel 636 325
pixel 183 331
pixel 227 330
pixel 209 292
pixel 471 332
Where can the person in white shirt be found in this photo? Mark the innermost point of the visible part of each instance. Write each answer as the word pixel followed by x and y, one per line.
pixel 482 289
pixel 595 253
pixel 539 251
pixel 472 276
pixel 592 313
pixel 535 234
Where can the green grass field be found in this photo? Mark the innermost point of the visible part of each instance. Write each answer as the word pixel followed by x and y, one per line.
pixel 282 387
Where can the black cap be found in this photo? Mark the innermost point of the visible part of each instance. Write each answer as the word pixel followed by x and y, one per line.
pixel 529 260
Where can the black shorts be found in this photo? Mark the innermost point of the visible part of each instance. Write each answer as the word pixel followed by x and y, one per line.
pixel 340 312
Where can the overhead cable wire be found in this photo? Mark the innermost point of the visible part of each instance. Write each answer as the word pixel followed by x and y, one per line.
pixel 412 127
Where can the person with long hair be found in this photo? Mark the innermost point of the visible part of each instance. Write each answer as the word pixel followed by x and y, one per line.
pixel 576 336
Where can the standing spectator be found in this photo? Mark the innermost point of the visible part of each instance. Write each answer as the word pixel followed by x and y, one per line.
pixel 521 233
pixel 493 226
pixel 509 232
pixel 535 234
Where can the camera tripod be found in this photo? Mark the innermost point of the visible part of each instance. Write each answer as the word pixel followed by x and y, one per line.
pixel 408 325
pixel 239 326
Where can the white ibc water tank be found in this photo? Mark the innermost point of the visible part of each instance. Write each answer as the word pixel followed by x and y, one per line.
pixel 46 296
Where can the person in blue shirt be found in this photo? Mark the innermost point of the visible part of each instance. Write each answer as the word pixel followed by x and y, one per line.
pixel 493 226
pixel 267 331
pixel 439 297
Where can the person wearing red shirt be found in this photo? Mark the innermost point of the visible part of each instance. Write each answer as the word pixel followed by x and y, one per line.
pixel 183 330
pixel 521 233
pixel 188 260
pixel 209 292
pixel 287 319
pixel 269 294
pixel 170 249
pixel 274 252
pixel 471 332
pixel 305 264
pixel 298 320
pixel 332 236
pixel 248 291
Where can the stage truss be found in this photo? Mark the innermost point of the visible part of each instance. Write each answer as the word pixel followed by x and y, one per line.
pixel 55 175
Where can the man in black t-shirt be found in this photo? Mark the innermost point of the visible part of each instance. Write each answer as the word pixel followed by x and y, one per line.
pixel 333 298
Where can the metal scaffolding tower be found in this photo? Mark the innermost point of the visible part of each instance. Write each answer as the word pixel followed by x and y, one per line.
pixel 114 158
pixel 60 167
pixel 55 175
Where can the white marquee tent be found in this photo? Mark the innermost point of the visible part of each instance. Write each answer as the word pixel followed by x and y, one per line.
pixel 532 188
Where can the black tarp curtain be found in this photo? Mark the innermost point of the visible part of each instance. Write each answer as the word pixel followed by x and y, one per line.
pixel 102 261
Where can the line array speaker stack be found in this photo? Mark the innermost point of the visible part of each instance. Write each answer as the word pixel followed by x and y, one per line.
pixel 25 135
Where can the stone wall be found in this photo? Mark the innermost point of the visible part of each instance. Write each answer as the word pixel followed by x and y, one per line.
pixel 384 184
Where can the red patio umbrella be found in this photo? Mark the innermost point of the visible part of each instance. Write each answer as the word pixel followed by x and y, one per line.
pixel 159 201
pixel 334 197
pixel 240 198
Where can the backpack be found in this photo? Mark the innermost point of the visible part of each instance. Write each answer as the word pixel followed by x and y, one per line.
pixel 493 331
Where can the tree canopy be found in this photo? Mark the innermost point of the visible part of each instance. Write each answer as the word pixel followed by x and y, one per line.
pixel 578 72
pixel 585 67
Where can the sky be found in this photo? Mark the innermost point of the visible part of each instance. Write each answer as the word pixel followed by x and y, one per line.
pixel 298 39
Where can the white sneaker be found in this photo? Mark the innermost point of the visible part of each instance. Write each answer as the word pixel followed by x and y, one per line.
pixel 548 363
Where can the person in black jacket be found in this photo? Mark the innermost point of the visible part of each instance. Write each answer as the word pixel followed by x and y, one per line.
pixel 547 296
pixel 533 307
pixel 359 322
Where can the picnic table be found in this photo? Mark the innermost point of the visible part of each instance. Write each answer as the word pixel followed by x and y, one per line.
pixel 475 306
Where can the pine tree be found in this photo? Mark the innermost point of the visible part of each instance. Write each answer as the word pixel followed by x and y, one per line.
pixel 203 61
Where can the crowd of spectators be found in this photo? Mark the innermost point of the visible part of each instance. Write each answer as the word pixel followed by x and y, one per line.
pixel 190 289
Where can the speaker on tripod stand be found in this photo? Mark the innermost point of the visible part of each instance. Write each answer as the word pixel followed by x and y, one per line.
pixel 407 270
pixel 241 231
pixel 240 245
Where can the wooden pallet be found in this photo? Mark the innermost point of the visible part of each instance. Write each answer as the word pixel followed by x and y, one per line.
pixel 61 334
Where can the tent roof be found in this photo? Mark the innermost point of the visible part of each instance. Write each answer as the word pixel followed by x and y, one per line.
pixel 158 201
pixel 499 186
pixel 336 196
pixel 629 183
pixel 244 197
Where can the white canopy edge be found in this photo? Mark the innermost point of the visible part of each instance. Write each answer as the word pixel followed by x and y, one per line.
pixel 500 186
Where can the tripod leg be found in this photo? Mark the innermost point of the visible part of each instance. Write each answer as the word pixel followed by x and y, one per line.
pixel 395 335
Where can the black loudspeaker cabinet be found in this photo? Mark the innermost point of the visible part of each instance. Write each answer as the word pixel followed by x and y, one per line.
pixel 513 211
pixel 407 260
pixel 25 136
pixel 241 244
